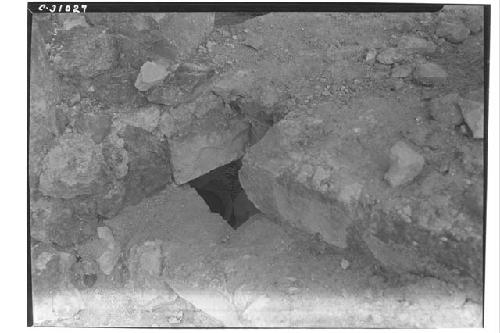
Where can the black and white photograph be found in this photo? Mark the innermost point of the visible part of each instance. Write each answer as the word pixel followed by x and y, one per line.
pixel 259 165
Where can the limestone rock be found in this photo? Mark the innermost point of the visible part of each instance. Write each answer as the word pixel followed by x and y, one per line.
pixel 44 95
pixel 86 52
pixel 445 110
pixel 146 118
pixel 402 71
pixel 104 250
pixel 117 88
pixel 371 56
pixel 70 21
pixel 98 125
pixel 54 298
pixel 412 44
pixel 185 31
pixel 206 146
pixel 84 273
pixel 109 257
pixel 111 199
pixel 151 74
pixel 321 177
pixel 115 156
pixel 71 168
pixel 185 85
pixel 145 266
pixel 473 113
pixel 154 232
pixel 406 164
pixel 429 73
pixel 253 40
pixel 46 217
pixel 454 32
pixel 148 164
pixel 390 56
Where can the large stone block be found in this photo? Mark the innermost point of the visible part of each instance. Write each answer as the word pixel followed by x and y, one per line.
pixel 185 31
pixel 72 167
pixel 323 172
pixel 87 52
pixel 206 145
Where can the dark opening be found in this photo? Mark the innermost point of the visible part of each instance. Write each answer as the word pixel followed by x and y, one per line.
pixel 222 191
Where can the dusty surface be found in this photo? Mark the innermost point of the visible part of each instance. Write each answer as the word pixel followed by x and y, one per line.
pixel 361 137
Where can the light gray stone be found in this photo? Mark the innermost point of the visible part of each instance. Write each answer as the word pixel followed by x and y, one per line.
pixel 454 32
pixel 402 71
pixel 445 110
pixel 473 113
pixel 406 164
pixel 72 167
pixel 429 74
pixel 413 44
pixel 390 56
pixel 151 74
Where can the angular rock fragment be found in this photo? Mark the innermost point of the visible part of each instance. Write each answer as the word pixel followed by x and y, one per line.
pixel 445 110
pixel 98 125
pixel 473 113
pixel 390 56
pixel 104 250
pixel 206 146
pixel 454 32
pixel 148 164
pixel 70 21
pixel 185 31
pixel 146 118
pixel 371 56
pixel 151 74
pixel 406 164
pixel 86 52
pixel 413 44
pixel 322 177
pixel 46 217
pixel 429 73
pixel 72 168
pixel 402 71
pixel 54 297
pixel 155 231
pixel 44 95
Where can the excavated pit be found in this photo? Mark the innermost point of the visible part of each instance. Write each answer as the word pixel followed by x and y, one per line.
pixel 224 195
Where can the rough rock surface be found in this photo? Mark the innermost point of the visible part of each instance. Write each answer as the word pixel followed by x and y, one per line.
pixel 185 31
pixel 207 146
pixel 429 73
pixel 473 113
pixel 454 32
pixel 250 277
pixel 151 74
pixel 406 164
pixel 104 250
pixel 44 94
pixel 86 52
pixel 413 44
pixel 390 56
pixel 319 114
pixel 148 164
pixel 54 297
pixel 445 110
pixel 324 173
pixel 72 167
